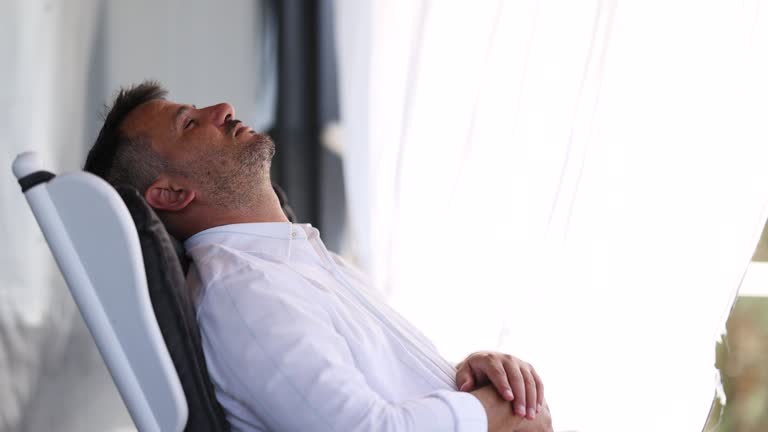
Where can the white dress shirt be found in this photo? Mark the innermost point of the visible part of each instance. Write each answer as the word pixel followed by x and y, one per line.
pixel 295 341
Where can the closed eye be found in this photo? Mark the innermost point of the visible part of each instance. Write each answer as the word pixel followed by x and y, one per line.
pixel 189 123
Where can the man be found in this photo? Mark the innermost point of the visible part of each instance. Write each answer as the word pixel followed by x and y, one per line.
pixel 293 338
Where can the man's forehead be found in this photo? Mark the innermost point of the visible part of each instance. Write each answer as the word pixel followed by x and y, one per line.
pixel 149 117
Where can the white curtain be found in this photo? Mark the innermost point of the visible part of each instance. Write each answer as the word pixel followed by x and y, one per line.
pixel 45 52
pixel 581 184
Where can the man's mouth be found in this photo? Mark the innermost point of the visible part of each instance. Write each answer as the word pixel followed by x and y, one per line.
pixel 241 128
pixel 237 127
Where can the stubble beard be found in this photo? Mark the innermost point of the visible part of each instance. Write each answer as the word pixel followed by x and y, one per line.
pixel 238 179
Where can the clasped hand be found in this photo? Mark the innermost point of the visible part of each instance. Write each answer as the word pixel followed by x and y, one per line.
pixel 515 380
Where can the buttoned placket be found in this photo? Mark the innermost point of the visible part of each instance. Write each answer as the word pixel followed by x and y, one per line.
pixel 396 327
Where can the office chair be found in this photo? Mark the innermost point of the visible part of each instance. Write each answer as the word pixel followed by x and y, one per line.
pixel 126 275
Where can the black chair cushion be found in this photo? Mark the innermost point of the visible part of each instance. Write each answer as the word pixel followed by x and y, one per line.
pixel 175 314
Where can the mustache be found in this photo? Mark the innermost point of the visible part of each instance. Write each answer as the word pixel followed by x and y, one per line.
pixel 230 125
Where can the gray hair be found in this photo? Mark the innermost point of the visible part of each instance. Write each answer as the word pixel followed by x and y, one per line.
pixel 136 164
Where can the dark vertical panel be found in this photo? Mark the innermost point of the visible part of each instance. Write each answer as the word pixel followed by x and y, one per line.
pixel 297 124
pixel 326 43
pixel 307 101
pixel 332 197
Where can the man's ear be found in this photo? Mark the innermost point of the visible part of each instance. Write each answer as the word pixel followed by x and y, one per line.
pixel 166 195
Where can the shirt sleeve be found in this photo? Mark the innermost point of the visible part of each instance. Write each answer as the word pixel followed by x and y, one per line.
pixel 275 349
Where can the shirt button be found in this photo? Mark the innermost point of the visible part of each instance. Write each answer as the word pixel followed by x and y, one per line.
pixel 293 234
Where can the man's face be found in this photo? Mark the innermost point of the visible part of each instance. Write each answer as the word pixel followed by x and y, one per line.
pixel 224 159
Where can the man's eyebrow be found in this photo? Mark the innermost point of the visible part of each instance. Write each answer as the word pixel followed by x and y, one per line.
pixel 179 112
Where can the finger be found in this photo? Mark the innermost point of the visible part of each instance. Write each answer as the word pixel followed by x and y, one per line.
pixel 539 390
pixel 530 391
pixel 515 378
pixel 464 379
pixel 498 376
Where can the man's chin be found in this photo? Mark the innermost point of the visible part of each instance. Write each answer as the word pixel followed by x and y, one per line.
pixel 260 139
pixel 258 148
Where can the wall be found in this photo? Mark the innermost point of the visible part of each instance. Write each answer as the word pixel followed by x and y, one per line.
pixel 61 61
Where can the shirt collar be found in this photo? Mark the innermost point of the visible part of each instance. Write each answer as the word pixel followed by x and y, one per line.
pixel 274 238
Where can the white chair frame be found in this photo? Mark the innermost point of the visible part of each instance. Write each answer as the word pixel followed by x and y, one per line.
pixel 95 244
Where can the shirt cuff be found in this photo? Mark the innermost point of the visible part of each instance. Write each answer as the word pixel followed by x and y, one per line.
pixel 468 413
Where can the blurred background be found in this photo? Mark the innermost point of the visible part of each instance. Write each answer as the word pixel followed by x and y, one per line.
pixel 580 184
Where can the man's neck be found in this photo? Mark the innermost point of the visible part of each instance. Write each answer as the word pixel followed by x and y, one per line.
pixel 200 217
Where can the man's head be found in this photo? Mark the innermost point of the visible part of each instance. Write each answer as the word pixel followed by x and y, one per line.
pixel 191 164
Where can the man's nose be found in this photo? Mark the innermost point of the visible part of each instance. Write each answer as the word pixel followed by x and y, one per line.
pixel 220 113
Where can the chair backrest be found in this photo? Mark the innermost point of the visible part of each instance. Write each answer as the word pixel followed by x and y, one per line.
pixel 97 248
